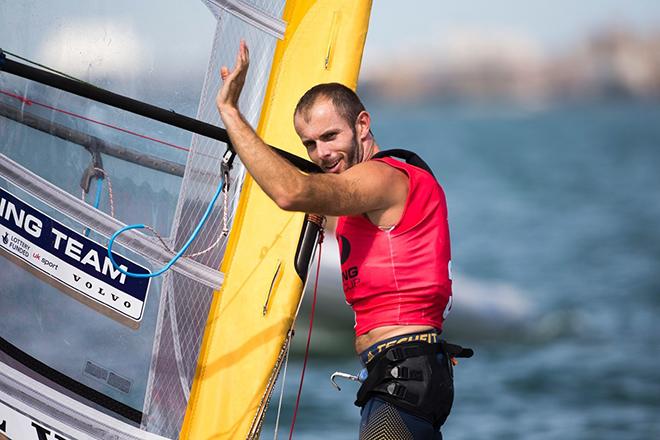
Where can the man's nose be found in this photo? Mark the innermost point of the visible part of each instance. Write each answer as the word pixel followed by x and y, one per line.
pixel 323 149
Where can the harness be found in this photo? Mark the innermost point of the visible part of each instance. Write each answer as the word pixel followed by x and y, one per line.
pixel 416 376
pixel 407 155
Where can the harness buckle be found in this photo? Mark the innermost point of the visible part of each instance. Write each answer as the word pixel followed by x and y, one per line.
pixel 397 390
pixel 406 373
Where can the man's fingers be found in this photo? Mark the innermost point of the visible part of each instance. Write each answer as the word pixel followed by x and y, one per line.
pixel 244 53
pixel 238 62
pixel 233 79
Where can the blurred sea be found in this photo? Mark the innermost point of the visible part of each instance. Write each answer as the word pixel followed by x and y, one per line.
pixel 555 217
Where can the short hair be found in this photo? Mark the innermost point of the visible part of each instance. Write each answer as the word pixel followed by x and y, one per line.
pixel 346 101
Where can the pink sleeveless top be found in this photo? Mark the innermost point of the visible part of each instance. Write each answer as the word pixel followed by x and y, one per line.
pixel 399 276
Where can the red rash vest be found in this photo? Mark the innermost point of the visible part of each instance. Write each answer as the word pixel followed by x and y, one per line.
pixel 399 276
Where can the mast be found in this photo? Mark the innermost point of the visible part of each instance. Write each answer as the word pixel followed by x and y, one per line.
pixel 323 42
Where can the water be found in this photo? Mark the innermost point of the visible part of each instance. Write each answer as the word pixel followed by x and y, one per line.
pixel 561 206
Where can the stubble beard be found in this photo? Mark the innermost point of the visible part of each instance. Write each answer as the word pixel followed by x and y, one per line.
pixel 357 155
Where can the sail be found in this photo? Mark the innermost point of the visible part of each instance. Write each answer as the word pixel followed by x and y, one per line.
pixel 85 351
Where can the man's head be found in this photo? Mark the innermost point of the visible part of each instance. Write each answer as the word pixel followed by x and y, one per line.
pixel 334 127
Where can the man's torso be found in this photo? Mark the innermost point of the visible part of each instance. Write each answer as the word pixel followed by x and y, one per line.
pixel 397 279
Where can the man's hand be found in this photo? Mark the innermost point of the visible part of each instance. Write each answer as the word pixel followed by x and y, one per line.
pixel 233 81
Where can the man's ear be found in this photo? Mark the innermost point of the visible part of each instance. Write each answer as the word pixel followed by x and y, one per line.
pixel 363 125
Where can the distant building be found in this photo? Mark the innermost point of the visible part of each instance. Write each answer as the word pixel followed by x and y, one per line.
pixel 614 63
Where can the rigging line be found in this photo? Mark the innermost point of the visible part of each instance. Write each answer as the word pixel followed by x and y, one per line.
pixel 225 222
pixel 178 254
pixel 309 335
pixel 223 233
pixel 227 162
pixel 97 198
pixel 28 101
pixel 138 107
pixel 89 142
pixel 106 177
pixel 113 99
pixel 99 189
pixel 283 383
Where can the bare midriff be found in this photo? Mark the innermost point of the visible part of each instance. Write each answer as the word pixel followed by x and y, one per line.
pixel 368 339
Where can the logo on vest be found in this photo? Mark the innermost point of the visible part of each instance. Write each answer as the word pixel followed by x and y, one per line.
pixel 349 276
pixel 345 248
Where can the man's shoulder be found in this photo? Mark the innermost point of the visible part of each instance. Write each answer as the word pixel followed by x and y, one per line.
pixel 377 167
pixel 410 158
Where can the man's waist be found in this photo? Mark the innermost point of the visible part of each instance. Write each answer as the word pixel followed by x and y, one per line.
pixel 402 334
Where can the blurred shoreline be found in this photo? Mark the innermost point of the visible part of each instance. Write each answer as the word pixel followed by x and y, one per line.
pixel 614 62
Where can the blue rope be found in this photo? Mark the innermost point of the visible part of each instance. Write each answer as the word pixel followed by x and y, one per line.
pixel 97 201
pixel 99 190
pixel 178 255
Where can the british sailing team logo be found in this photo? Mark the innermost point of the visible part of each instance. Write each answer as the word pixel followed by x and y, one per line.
pixel 69 261
pixel 349 275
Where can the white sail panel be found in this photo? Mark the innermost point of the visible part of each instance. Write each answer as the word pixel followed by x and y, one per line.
pixel 137 375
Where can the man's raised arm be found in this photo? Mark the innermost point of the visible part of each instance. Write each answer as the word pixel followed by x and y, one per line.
pixel 363 188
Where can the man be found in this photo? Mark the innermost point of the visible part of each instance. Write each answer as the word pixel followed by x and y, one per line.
pixel 394 243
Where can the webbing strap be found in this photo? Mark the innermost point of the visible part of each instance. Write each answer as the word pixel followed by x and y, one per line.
pixel 455 350
pixel 407 155
pixel 396 354
pixel 399 391
pixel 405 373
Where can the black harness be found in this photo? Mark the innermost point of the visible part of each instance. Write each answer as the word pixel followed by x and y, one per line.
pixel 407 155
pixel 416 376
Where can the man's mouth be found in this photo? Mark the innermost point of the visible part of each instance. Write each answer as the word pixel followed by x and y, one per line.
pixel 332 167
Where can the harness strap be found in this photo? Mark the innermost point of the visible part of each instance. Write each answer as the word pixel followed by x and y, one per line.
pixel 405 373
pixel 407 155
pixel 456 351
pixel 396 354
pixel 399 391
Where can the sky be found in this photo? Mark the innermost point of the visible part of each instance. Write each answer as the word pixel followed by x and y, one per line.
pixel 395 26
pixel 549 24
pixel 542 26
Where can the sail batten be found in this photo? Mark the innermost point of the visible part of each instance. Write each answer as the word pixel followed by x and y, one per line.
pixel 101 222
pixel 89 142
pixel 250 14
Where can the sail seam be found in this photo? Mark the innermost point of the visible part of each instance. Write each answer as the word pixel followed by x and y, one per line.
pixel 176 343
pixel 251 15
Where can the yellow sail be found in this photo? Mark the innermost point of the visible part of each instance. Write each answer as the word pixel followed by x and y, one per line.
pixel 252 314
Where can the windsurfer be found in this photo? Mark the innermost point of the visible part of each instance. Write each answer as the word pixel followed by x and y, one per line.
pixel 394 242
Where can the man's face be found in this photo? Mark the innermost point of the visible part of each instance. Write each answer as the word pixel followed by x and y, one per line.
pixel 330 140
